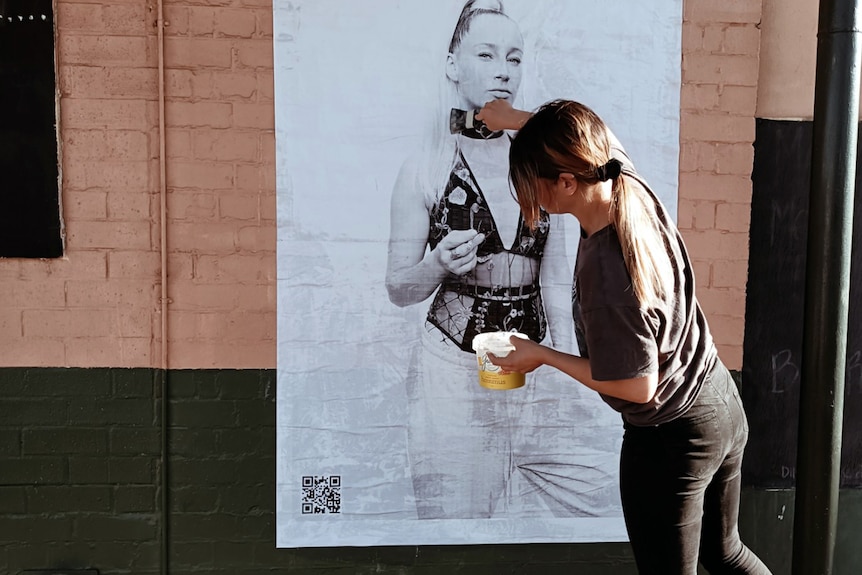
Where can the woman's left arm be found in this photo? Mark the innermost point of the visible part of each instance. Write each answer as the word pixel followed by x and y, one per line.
pixel 556 280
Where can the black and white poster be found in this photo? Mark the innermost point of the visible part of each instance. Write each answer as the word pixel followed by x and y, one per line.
pixel 384 436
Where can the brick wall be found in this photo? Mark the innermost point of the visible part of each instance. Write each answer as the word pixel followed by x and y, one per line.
pixel 80 449
pixel 720 47
pixel 100 304
pixel 78 479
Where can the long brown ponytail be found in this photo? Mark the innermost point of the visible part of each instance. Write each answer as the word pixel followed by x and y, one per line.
pixel 568 137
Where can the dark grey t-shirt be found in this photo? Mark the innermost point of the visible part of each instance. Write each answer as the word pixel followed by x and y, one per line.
pixel 623 341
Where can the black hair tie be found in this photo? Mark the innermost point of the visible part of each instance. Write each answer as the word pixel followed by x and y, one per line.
pixel 610 171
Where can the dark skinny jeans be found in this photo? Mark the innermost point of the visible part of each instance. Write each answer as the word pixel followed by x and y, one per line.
pixel 680 486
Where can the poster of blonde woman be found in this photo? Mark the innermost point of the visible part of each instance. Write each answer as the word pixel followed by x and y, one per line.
pixel 400 241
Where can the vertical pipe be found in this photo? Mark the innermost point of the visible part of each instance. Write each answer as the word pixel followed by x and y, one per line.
pixel 827 286
pixel 163 299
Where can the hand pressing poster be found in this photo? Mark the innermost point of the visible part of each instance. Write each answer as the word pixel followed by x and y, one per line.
pixel 399 241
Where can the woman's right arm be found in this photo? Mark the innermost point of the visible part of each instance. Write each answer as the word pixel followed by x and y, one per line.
pixel 529 355
pixel 412 272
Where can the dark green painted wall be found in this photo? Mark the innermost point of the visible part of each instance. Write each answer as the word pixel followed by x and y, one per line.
pixel 80 468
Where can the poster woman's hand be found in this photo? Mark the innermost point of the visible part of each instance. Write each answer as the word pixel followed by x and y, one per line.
pixel 456 252
pixel 500 115
pixel 527 356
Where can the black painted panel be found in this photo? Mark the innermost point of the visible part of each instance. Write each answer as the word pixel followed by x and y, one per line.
pixel 772 350
pixel 29 206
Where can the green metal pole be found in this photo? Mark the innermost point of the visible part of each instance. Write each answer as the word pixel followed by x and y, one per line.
pixel 827 286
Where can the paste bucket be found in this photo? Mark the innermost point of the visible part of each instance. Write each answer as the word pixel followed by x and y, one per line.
pixel 496 342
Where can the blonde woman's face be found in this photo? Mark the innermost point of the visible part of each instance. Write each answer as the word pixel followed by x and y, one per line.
pixel 487 64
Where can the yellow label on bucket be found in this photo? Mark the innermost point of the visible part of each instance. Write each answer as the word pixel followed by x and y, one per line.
pixel 491 378
pixel 489 374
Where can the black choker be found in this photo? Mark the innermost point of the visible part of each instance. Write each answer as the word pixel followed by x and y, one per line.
pixel 466 123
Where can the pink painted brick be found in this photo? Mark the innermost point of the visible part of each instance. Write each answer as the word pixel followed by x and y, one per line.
pixel 200 175
pixel 180 267
pixel 185 325
pixel 716 127
pixel 256 297
pixel 85 205
pixel 253 53
pixel 127 265
pixel 738 100
pixel 106 50
pixel 178 83
pixel 114 235
pixel 239 268
pixel 33 295
pixel 731 11
pixel 108 294
pixel 10 324
pixel 198 114
pixel 704 215
pixel 697 156
pixel 178 144
pixel 93 351
pixel 76 264
pixel 9 269
pixel 138 352
pixel 265 86
pixel 202 20
pixel 264 22
pixel 253 116
pixel 733 217
pixel 192 206
pixel 713 37
pixel 239 85
pixel 69 323
pixel 729 274
pixel 715 244
pixel 267 148
pixel 726 329
pixel 32 352
pixel 241 326
pixel 129 176
pixel 94 82
pixel 257 238
pixel 255 178
pixel 176 20
pixel 699 97
pixel 83 145
pixel 737 158
pixel 223 145
pixel 728 301
pixel 258 3
pixel 722 188
pixel 204 237
pixel 235 23
pixel 193 53
pixel 191 296
pixel 190 354
pixel 741 39
pixel 105 113
pixel 739 70
pixel 129 206
pixel 116 19
pixel 685 214
pixel 692 37
pixel 235 206
pixel 137 321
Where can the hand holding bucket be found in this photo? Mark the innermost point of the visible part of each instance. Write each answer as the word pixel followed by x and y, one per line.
pixel 496 342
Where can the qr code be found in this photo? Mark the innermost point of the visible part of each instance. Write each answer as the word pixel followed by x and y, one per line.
pixel 321 494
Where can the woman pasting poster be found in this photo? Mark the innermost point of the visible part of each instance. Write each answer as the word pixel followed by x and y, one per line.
pixel 399 241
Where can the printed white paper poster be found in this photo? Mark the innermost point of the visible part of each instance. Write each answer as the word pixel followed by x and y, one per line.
pixel 384 435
